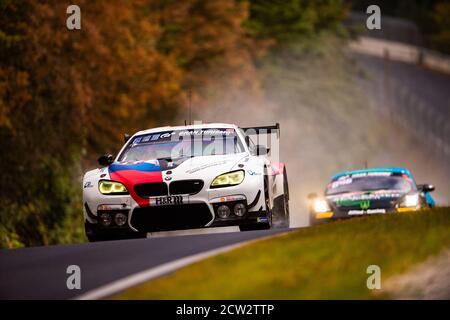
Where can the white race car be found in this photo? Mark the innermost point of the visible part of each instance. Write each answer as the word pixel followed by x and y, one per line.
pixel 186 177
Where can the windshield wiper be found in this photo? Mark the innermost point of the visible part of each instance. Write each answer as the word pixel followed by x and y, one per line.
pixel 170 159
pixel 164 158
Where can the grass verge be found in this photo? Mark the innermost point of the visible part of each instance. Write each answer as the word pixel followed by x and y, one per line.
pixel 323 262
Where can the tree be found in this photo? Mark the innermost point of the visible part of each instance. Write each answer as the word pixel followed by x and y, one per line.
pixel 66 93
pixel 290 20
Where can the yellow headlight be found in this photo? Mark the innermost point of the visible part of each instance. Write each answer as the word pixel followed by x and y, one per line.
pixel 228 179
pixel 411 200
pixel 321 206
pixel 111 187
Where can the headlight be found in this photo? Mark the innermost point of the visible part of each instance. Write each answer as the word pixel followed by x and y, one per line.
pixel 411 200
pixel 120 219
pixel 228 179
pixel 105 219
pixel 111 187
pixel 321 205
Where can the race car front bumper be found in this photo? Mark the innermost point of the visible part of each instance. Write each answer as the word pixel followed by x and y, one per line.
pixel 196 213
pixel 343 214
pixel 181 209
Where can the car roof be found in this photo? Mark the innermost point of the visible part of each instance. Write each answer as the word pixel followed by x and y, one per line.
pixel 387 169
pixel 189 127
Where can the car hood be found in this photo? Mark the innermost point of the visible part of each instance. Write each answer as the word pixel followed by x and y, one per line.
pixel 380 199
pixel 203 166
pixel 148 171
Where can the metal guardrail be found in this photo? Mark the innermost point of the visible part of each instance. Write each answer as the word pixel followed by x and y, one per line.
pixel 402 52
pixel 403 105
pixel 430 125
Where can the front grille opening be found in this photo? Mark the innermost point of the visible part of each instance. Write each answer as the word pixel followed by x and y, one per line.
pixel 151 189
pixel 174 217
pixel 186 186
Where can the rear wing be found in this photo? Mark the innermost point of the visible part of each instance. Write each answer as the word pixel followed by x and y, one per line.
pixel 263 130
pixel 264 136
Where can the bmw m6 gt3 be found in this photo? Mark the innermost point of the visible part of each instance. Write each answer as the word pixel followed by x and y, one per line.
pixel 186 177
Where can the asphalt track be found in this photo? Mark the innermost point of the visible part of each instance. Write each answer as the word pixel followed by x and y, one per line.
pixel 40 272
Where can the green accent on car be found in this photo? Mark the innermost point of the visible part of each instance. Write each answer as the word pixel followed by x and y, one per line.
pixel 364 204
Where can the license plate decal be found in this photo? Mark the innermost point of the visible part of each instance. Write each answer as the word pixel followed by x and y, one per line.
pixel 168 200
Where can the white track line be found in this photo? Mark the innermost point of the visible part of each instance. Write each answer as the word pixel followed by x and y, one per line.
pixel 154 272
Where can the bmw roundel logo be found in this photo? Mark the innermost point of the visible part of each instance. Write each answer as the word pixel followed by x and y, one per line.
pixel 168 178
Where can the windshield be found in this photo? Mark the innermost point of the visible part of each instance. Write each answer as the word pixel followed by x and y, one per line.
pixel 182 143
pixel 370 183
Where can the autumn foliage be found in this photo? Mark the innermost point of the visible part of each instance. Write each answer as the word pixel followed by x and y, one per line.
pixel 67 96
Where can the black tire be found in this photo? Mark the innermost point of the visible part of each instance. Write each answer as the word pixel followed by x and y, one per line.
pixel 281 212
pixel 281 206
pixel 255 226
pixel 98 237
pixel 94 235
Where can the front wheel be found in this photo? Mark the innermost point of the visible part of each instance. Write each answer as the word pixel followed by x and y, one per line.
pixel 254 226
pixel 281 212
pixel 94 235
pixel 108 237
pixel 281 206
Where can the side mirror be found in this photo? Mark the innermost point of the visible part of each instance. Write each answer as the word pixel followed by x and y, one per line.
pixel 105 160
pixel 261 150
pixel 426 187
pixel 126 137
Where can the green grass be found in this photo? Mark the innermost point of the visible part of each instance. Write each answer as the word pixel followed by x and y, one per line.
pixel 323 262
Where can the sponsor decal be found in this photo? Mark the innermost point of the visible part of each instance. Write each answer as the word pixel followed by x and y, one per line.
pixel 111 206
pixel 355 199
pixel 213 164
pixel 253 173
pixel 137 140
pixel 376 211
pixel 88 184
pixel 208 132
pixel 341 182
pixel 175 135
pixel 369 211
pixel 365 204
pixel 228 198
pixel 372 174
pixel 349 202
pixel 168 200
pixel 262 220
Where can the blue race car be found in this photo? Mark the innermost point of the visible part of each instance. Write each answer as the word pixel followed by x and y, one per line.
pixel 369 191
